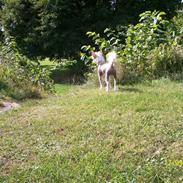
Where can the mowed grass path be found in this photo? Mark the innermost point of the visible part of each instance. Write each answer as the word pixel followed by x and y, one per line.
pixel 85 135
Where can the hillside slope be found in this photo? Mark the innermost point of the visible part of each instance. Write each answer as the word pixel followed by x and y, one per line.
pixel 85 135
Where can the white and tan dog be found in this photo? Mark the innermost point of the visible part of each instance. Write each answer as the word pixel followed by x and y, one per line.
pixel 105 68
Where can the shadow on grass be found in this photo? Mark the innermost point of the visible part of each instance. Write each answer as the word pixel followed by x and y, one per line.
pixel 130 90
pixel 3 86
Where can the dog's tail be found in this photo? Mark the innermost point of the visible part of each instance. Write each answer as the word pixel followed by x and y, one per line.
pixel 111 57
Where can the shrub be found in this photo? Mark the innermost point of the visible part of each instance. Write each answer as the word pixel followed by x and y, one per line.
pixel 151 32
pixel 22 76
pixel 166 60
pixel 152 48
pixel 68 71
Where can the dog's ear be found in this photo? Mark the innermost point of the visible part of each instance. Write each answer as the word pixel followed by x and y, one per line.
pixel 93 54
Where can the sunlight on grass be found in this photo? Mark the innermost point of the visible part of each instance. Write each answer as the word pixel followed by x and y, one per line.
pixel 87 135
pixel 62 88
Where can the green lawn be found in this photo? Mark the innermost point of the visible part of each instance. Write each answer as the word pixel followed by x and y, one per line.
pixel 85 135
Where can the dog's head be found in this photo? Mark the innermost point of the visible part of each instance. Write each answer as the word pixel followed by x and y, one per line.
pixel 93 55
pixel 97 57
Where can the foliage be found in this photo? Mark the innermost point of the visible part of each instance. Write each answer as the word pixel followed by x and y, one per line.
pixel 66 70
pixel 20 73
pixel 112 39
pixel 150 44
pixel 56 28
pixel 152 47
pixel 141 6
pixel 166 60
pixel 178 21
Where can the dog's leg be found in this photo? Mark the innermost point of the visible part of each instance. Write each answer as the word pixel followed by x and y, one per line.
pixel 107 81
pixel 115 81
pixel 100 80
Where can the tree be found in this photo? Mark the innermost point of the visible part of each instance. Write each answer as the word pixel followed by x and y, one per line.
pixel 56 28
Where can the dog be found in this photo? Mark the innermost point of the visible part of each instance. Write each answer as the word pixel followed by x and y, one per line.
pixel 105 68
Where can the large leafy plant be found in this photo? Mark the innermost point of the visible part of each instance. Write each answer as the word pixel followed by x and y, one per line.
pixel 149 47
pixel 151 31
pixel 112 39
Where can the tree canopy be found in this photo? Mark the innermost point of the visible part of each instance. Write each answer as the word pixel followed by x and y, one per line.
pixel 56 28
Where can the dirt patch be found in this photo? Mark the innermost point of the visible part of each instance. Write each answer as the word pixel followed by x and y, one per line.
pixel 5 106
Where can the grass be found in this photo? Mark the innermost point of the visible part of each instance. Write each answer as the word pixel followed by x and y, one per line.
pixel 87 135
pixel 48 63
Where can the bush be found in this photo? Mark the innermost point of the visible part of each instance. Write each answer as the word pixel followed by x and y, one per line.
pixel 68 71
pixel 152 48
pixel 22 77
pixel 166 60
